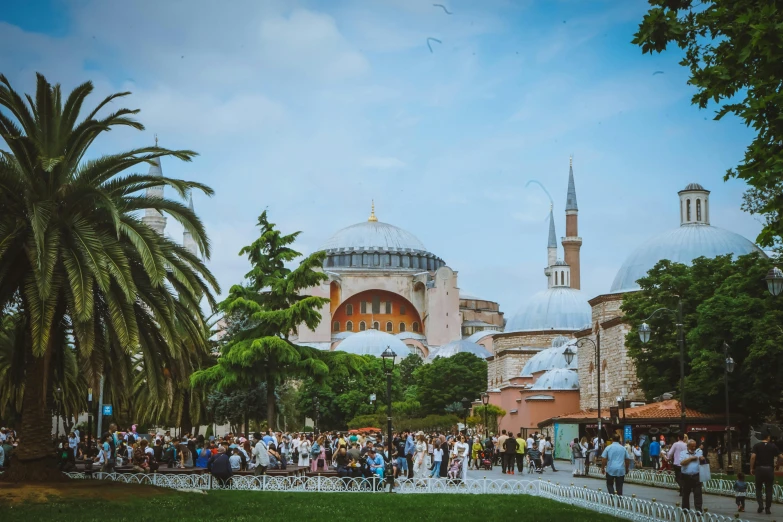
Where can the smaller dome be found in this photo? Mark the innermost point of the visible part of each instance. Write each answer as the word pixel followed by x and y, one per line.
pixel 455 347
pixel 411 335
pixel 559 308
pixel 693 186
pixel 551 359
pixel 560 262
pixel 372 342
pixel 559 341
pixel 341 335
pixel 558 379
pixel 481 334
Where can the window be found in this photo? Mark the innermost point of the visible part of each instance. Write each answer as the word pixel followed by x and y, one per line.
pixel 376 326
pixel 389 326
pixel 363 307
pixel 362 326
pixel 349 309
pixel 402 327
pixel 562 277
pixel 376 304
pixel 688 210
pixel 402 309
pixel 336 326
pixel 698 210
pixel 415 327
pixel 388 307
pixel 349 326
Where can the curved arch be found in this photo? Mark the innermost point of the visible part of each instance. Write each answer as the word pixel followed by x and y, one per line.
pixel 362 326
pixel 349 326
pixel 389 307
pixel 389 326
pixel 417 347
pixel 402 327
pixel 376 325
pixel 335 292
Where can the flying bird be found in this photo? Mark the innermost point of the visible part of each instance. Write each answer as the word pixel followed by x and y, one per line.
pixel 442 6
pixel 657 72
pixel 434 40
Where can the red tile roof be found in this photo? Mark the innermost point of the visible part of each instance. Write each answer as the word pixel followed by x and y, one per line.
pixel 655 410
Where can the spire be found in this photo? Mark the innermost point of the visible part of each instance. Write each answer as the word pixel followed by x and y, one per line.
pixel 190 202
pixel 552 236
pixel 571 197
pixel 187 238
pixel 372 217
pixel 152 218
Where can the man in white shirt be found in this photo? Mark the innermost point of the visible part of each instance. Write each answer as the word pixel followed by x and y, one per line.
pixel 530 443
pixel 690 459
pixel 261 454
pixel 674 456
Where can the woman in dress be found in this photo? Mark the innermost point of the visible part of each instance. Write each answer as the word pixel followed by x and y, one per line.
pixel 304 453
pixel 320 459
pixel 420 465
pixel 462 451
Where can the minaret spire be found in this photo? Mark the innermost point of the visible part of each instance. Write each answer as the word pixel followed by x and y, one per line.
pixel 187 238
pixel 551 248
pixel 372 217
pixel 572 243
pixel 152 218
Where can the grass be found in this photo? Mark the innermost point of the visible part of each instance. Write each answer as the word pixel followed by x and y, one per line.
pixel 750 479
pixel 143 504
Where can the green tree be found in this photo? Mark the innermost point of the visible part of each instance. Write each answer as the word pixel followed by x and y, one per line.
pixel 448 379
pixel 268 309
pixel 733 49
pixel 88 275
pixel 724 300
pixel 407 367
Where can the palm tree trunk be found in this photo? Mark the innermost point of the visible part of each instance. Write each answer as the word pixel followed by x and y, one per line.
pixel 185 424
pixel 34 460
pixel 270 402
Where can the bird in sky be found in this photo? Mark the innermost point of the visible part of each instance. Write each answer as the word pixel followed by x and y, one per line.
pixel 434 40
pixel 443 7
pixel 657 72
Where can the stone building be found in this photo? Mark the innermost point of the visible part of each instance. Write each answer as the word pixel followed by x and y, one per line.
pixel 695 237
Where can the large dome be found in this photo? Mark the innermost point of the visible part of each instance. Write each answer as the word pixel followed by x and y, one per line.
pixel 558 379
pixel 683 245
pixel 551 359
pixel 559 308
pixel 460 346
pixel 376 245
pixel 373 342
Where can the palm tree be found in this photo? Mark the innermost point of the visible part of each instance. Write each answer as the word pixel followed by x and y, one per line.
pixel 77 258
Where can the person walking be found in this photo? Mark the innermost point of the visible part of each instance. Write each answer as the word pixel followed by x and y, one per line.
pixel 690 459
pixel 614 462
pixel 410 449
pixel 674 454
pixel 655 454
pixel 521 450
pixel 740 490
pixel 762 465
pixel 502 450
pixel 261 454
pixel 548 451
pixel 510 452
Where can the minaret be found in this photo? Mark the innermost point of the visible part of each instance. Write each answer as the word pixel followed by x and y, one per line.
pixel 152 218
pixel 551 247
pixel 572 243
pixel 187 238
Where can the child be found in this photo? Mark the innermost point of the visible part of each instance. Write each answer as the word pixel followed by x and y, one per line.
pixel 740 488
pixel 456 468
pixel 437 458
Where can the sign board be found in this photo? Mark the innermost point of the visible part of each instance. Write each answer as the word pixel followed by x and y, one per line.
pixel 107 409
pixel 372 398
pixel 628 433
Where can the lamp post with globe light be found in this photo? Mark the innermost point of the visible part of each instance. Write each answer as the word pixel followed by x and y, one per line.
pixel 485 402
pixel 727 369
pixel 387 357
pixel 569 355
pixel 775 280
pixel 466 408
pixel 644 336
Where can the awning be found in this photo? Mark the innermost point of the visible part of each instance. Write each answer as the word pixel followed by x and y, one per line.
pixel 707 427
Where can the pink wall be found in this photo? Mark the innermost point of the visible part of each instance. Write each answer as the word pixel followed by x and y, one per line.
pixel 530 413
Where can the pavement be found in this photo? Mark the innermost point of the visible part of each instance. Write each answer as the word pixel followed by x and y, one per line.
pixel 714 503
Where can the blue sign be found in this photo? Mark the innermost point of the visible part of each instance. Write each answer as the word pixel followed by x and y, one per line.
pixel 107 409
pixel 628 434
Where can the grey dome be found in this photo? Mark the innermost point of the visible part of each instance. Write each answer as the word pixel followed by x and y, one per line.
pixel 551 359
pixel 559 308
pixel 373 342
pixel 481 334
pixel 374 234
pixel 412 335
pixel 341 335
pixel 682 245
pixel 459 346
pixel 558 379
pixel 559 341
pixel 693 186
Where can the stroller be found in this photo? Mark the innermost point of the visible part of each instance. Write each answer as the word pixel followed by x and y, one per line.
pixel 485 460
pixel 455 471
pixel 534 461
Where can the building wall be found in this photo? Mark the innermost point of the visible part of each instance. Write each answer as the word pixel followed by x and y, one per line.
pixel 530 413
pixel 481 310
pixel 322 332
pixel 507 365
pixel 541 338
pixel 396 316
pixel 442 322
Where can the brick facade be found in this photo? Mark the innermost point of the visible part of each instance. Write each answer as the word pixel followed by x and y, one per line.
pixel 511 351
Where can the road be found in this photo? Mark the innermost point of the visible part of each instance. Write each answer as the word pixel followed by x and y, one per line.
pixel 714 503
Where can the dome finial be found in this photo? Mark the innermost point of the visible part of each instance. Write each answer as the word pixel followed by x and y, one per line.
pixel 156 139
pixel 570 160
pixel 372 217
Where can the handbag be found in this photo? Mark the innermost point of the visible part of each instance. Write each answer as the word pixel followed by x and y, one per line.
pixel 704 473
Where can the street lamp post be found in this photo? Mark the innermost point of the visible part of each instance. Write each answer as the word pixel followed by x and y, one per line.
pixel 569 354
pixel 466 408
pixel 89 422
pixel 727 369
pixel 317 415
pixel 644 335
pixel 58 394
pixel 388 357
pixel 485 402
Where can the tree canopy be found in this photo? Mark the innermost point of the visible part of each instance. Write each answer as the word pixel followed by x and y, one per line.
pixel 724 300
pixel 448 379
pixel 733 49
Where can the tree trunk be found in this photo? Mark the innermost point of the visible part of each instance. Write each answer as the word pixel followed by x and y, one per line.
pixel 270 402
pixel 185 424
pixel 34 459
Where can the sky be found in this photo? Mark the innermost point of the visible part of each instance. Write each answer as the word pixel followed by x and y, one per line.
pixel 311 109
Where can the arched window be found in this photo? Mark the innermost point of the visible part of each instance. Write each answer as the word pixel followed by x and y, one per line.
pixel 362 326
pixel 349 326
pixel 688 210
pixel 349 309
pixel 562 277
pixel 415 327
pixel 402 327
pixel 389 326
pixel 698 210
pixel 376 326
pixel 336 326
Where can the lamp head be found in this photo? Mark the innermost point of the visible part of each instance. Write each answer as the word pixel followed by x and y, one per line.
pixel 485 398
pixel 388 356
pixel 774 280
pixel 644 332
pixel 465 403
pixel 569 354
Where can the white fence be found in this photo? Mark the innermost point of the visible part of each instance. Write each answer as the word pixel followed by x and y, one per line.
pixel 623 507
pixel 665 479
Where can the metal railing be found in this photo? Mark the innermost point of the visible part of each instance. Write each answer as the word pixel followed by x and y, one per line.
pixel 665 479
pixel 628 508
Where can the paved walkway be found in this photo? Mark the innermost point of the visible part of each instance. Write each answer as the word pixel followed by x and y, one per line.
pixel 714 503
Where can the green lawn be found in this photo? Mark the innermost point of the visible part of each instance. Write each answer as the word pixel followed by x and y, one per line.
pixel 310 507
pixel 748 478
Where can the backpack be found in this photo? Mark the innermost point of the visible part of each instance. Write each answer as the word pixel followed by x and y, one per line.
pixel 315 450
pixel 576 449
